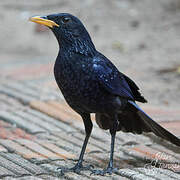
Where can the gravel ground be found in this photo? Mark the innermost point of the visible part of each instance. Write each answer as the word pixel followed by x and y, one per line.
pixel 140 37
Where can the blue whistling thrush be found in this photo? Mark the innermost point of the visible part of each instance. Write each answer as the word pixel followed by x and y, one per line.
pixel 91 83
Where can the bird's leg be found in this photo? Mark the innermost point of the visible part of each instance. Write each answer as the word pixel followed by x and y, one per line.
pixel 88 128
pixel 110 168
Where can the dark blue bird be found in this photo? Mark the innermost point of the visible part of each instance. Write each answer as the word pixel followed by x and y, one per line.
pixel 90 83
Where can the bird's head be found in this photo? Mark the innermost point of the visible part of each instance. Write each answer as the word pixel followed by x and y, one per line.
pixel 68 29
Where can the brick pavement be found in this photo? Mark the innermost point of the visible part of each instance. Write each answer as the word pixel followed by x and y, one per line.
pixel 39 133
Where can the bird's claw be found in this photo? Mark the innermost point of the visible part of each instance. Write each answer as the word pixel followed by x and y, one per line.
pixel 109 171
pixel 76 169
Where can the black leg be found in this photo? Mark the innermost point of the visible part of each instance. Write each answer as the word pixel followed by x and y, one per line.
pixel 113 135
pixel 110 168
pixel 88 128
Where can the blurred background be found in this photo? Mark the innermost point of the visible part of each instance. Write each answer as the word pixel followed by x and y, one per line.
pixel 141 37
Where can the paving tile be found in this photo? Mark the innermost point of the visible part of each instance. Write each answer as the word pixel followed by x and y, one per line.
pixel 22 178
pixel 158 173
pixel 161 114
pixel 147 153
pixel 61 125
pixel 30 167
pixel 173 126
pixel 3 149
pixel 62 153
pixel 133 139
pixel 5 172
pixel 77 142
pixel 30 71
pixel 68 146
pixel 25 99
pixel 161 110
pixel 38 148
pixel 11 166
pixel 45 91
pixel 7 102
pixel 8 131
pixel 166 151
pixel 49 110
pixel 51 168
pixel 47 177
pixel 75 176
pixel 10 65
pixel 7 134
pixel 135 175
pixel 20 87
pixel 22 134
pixel 36 121
pixel 5 124
pixel 21 150
pixel 155 157
pixel 65 108
pixel 47 136
pixel 20 122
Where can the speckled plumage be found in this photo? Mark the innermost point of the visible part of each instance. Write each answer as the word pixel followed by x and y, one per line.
pixel 90 83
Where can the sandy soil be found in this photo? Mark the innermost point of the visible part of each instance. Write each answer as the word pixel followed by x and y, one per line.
pixel 140 37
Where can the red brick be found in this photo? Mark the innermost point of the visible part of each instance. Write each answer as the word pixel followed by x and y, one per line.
pixel 65 108
pixel 22 134
pixel 38 148
pixel 4 124
pixel 57 150
pixel 35 71
pixel 23 151
pixel 7 131
pixel 51 111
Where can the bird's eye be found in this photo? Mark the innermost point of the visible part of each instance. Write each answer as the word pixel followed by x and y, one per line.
pixel 65 19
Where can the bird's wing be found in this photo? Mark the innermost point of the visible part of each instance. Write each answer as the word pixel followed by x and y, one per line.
pixel 110 78
pixel 135 89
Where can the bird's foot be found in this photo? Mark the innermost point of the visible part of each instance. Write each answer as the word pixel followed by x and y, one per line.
pixel 77 169
pixel 109 170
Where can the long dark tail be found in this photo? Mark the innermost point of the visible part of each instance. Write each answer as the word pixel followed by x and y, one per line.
pixel 155 127
pixel 135 120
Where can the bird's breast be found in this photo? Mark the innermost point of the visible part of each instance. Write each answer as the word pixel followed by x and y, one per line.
pixel 76 83
pixel 82 89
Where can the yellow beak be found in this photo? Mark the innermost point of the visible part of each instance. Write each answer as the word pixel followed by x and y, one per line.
pixel 43 21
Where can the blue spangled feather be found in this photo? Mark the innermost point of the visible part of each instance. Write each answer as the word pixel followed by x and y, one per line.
pixel 110 78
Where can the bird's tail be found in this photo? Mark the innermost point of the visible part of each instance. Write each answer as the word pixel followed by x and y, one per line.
pixel 153 126
pixel 135 120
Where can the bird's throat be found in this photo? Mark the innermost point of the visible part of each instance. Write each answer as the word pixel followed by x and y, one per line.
pixel 82 46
